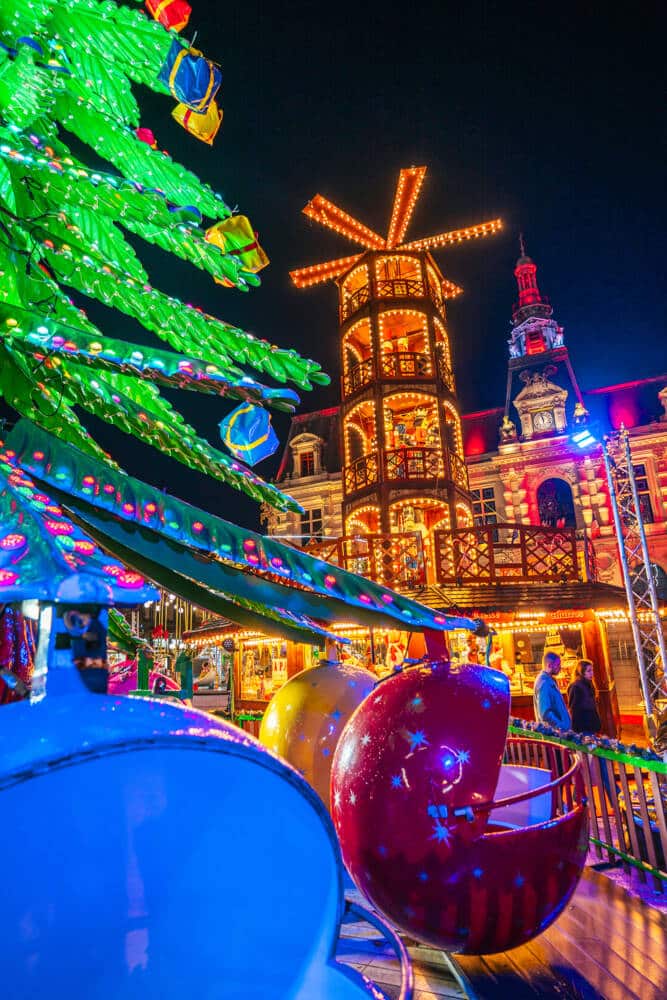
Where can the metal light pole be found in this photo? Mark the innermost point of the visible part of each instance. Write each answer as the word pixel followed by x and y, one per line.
pixel 640 589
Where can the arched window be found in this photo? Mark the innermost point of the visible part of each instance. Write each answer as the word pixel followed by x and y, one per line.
pixel 360 432
pixel 555 504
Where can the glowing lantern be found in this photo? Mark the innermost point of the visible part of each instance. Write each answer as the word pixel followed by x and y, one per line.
pixel 10 543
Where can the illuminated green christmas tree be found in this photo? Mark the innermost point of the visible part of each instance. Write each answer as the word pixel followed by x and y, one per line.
pixel 67 69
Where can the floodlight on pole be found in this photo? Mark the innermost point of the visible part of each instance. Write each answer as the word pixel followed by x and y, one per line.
pixel 584 439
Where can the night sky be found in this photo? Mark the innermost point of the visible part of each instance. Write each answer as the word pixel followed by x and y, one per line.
pixel 546 115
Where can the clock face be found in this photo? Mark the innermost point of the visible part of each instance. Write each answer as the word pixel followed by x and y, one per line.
pixel 543 420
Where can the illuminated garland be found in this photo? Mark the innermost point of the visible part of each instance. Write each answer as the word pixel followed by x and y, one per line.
pixel 41 549
pixel 49 342
pixel 632 755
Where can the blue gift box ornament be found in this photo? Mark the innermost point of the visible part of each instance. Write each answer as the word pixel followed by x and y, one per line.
pixel 192 80
pixel 248 434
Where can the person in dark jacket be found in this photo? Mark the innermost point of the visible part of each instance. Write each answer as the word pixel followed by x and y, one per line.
pixel 581 701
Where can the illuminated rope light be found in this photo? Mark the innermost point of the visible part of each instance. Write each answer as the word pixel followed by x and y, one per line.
pixel 327 214
pixel 449 289
pixel 315 274
pixel 407 191
pixel 455 236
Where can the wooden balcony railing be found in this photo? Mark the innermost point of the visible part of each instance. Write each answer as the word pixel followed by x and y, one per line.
pixel 402 365
pixel 404 465
pixel 517 552
pixel 357 376
pixel 354 302
pixel 395 561
pixel 489 554
pixel 389 288
pixel 458 471
pixel 413 463
pixel 363 472
pixel 400 288
pixel 406 364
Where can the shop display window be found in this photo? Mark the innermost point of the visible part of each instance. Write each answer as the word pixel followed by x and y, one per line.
pixel 382 654
pixel 212 669
pixel 518 653
pixel 412 428
pixel 263 668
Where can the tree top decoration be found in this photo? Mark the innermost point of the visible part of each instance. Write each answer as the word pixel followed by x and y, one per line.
pixel 67 69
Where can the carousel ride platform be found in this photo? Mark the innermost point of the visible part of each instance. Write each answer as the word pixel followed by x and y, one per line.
pixel 606 945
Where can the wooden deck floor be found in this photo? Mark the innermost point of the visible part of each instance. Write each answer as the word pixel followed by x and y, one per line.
pixel 606 944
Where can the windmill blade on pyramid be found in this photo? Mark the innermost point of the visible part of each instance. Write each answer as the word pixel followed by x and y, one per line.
pixel 408 189
pixel 327 214
pixel 315 274
pixel 454 236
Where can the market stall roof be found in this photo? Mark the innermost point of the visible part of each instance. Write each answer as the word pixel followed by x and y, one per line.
pixel 213 627
pixel 45 556
pixel 251 573
pixel 504 598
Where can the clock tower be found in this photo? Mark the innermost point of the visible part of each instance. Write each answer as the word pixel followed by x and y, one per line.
pixel 540 377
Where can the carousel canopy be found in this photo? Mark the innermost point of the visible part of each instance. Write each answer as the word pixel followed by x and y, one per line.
pixel 45 556
pixel 246 573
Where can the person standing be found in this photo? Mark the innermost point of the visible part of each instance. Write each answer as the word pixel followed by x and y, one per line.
pixel 586 719
pixel 548 702
pixel 581 700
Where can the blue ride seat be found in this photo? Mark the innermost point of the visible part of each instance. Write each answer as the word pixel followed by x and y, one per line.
pixel 150 850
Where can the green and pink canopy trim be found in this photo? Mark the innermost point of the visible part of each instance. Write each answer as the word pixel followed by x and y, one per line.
pixel 45 556
pixel 142 524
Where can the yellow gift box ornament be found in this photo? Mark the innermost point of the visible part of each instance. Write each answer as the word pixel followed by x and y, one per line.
pixel 236 236
pixel 203 126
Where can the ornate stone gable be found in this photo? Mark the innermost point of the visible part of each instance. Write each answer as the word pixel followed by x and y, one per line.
pixel 540 405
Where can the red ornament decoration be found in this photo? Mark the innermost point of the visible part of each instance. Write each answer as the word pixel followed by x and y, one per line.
pixel 171 13
pixel 413 784
pixel 146 135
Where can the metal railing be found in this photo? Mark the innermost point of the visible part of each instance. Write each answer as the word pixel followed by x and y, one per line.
pixel 566 785
pixel 627 797
pixel 626 793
